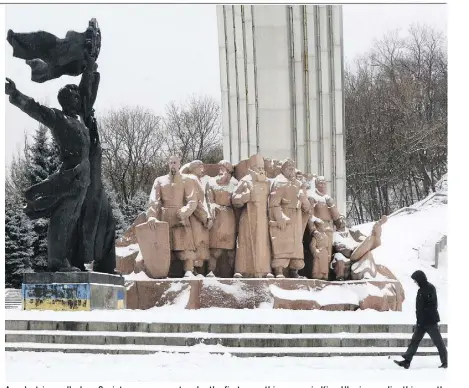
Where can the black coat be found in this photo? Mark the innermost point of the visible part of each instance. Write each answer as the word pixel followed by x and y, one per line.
pixel 427 301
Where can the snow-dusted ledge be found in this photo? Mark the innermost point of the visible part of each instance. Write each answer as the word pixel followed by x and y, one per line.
pixel 292 294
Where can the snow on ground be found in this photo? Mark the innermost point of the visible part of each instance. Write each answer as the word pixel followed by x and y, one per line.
pixel 128 250
pixel 406 240
pixel 186 367
pixel 346 293
pixel 137 276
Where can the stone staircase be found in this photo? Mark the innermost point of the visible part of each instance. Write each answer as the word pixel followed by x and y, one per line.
pixel 13 299
pixel 243 340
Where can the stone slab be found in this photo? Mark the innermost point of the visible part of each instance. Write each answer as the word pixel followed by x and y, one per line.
pixel 107 297
pixel 216 328
pixel 295 294
pixel 126 264
pixel 260 341
pixel 72 277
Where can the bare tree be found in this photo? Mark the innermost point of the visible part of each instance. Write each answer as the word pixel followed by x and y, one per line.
pixel 132 140
pixel 396 110
pixel 193 128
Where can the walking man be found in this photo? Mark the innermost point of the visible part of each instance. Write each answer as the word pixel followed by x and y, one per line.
pixel 427 321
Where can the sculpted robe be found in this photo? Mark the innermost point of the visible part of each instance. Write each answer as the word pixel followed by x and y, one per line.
pixel 285 202
pixel 326 210
pixel 223 232
pixel 198 221
pixel 170 194
pixel 319 249
pixel 253 253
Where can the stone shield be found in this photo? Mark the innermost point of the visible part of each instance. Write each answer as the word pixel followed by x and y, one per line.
pixel 155 248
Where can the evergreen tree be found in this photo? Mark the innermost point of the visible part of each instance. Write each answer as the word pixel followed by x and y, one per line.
pixel 39 154
pixel 121 225
pixel 43 160
pixel 19 238
pixel 16 180
pixel 136 205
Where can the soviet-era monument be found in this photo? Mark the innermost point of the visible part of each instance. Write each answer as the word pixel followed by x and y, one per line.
pixel 81 224
pixel 225 235
pixel 272 231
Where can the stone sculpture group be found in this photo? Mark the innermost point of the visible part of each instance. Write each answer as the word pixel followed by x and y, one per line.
pixel 262 227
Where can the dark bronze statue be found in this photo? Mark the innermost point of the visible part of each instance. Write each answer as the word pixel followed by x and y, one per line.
pixel 81 227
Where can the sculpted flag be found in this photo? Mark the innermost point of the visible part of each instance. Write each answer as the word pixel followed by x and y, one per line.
pixel 50 57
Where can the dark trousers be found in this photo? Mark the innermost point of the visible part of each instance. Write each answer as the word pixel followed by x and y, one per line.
pixel 434 333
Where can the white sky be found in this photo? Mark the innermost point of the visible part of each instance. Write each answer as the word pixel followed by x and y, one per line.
pixel 153 54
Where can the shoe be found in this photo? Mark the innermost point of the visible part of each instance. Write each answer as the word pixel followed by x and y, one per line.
pixel 211 274
pixel 404 364
pixel 189 274
pixel 237 275
pixel 444 365
pixel 269 276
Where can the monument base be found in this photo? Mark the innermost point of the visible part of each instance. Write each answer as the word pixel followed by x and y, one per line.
pixel 73 291
pixel 294 294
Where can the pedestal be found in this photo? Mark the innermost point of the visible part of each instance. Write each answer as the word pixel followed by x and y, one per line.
pixel 73 291
pixel 245 293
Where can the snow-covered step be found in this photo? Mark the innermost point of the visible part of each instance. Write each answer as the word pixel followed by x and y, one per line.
pixel 157 327
pixel 13 305
pixel 229 339
pixel 13 299
pixel 200 334
pixel 217 349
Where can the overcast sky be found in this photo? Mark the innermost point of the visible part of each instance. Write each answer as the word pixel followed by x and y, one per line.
pixel 153 54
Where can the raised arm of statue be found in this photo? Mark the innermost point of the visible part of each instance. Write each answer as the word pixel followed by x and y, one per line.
pixel 89 85
pixel 241 195
pixel 38 112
